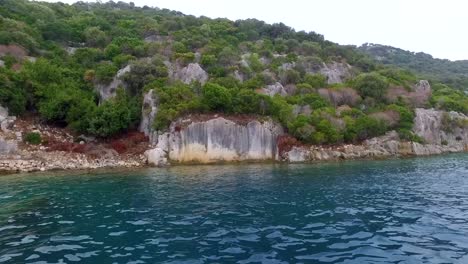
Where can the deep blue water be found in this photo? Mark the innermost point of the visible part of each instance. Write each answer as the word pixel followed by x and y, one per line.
pixel 396 211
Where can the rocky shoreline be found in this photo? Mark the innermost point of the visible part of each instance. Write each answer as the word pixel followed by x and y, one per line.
pixel 64 161
pixel 385 147
pixel 215 139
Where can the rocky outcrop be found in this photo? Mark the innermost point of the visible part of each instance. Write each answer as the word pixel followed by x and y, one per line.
pixel 381 147
pixel 442 132
pixel 301 110
pixel 148 113
pixel 8 146
pixel 158 156
pixel 107 91
pixel 441 128
pixel 336 72
pixel 274 89
pixel 6 121
pixel 188 74
pixel 216 140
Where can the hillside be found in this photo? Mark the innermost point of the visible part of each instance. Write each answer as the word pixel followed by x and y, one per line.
pixel 88 67
pixel 453 73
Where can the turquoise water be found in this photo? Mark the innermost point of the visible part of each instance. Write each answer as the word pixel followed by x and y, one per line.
pixel 397 211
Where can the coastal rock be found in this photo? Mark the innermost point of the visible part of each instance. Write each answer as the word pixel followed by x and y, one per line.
pixel 6 121
pixel 298 154
pixel 217 140
pixel 158 155
pixel 379 147
pixel 441 128
pixel 8 146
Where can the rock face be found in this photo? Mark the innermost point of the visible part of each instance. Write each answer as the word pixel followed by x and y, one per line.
pixel 216 140
pixel 336 72
pixel 8 146
pixel 6 121
pixel 441 131
pixel 148 112
pixel 274 89
pixel 385 146
pixel 191 73
pixel 110 90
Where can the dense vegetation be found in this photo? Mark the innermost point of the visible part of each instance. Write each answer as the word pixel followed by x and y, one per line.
pixel 453 73
pixel 81 47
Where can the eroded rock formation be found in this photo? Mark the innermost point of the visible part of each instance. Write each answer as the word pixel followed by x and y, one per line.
pixel 216 140
pixel 148 113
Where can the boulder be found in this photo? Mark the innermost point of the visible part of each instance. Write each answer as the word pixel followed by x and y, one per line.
pixel 158 156
pixel 188 74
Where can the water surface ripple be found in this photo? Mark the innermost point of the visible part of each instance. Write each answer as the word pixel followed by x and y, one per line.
pixel 396 211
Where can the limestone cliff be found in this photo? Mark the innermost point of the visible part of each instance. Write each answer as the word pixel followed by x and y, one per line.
pixel 148 112
pixel 217 140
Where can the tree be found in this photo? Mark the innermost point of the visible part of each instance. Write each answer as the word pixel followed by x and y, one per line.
pixel 95 37
pixel 371 85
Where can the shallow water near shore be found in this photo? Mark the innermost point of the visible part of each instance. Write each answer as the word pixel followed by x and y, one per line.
pixel 394 211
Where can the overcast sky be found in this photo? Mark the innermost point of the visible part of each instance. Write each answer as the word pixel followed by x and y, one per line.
pixel 436 27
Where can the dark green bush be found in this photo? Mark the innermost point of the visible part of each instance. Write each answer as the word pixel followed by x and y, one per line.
pixel 33 138
pixel 217 97
pixel 371 85
pixel 114 116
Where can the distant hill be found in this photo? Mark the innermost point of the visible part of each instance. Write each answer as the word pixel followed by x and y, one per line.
pixel 452 73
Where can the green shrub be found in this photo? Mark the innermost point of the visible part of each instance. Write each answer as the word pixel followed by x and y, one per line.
pixel 315 80
pixel 175 101
pixel 217 97
pixel 114 116
pixel 12 93
pixel 33 138
pixel 364 127
pixel 105 72
pixel 371 85
pixel 406 116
